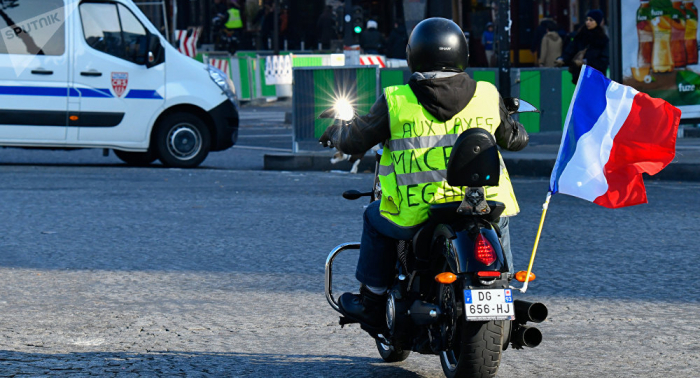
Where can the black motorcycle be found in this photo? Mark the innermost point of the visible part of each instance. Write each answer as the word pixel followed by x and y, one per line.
pixel 224 39
pixel 452 295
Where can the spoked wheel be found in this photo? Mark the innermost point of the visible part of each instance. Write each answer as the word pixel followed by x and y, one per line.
pixel 391 354
pixel 473 348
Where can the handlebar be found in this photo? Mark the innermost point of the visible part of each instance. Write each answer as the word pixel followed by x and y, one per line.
pixel 354 194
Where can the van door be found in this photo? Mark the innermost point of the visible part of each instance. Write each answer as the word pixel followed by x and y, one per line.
pixel 120 96
pixel 33 72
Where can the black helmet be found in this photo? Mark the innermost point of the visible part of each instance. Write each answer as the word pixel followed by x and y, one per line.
pixel 437 44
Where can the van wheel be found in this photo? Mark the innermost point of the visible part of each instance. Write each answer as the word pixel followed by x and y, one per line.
pixel 138 159
pixel 182 140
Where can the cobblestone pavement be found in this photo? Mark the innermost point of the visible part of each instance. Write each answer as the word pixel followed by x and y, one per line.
pixel 116 271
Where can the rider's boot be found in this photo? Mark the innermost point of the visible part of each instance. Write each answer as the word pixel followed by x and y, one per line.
pixel 366 307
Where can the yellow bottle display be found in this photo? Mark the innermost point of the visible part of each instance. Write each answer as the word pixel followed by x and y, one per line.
pixel 662 58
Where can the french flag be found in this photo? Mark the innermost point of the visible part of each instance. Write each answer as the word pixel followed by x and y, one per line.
pixel 613 133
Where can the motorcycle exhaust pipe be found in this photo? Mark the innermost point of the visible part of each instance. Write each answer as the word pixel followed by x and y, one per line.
pixel 525 336
pixel 530 312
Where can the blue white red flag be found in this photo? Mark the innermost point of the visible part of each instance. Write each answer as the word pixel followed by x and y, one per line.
pixel 613 133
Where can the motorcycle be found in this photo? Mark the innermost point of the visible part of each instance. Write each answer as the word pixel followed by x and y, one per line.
pixel 452 293
pixel 224 39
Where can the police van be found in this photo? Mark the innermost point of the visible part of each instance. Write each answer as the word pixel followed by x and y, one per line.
pixel 98 74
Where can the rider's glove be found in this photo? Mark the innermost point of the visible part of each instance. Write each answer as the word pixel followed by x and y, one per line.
pixel 326 139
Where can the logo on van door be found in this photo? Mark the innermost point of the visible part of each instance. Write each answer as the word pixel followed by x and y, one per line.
pixel 119 82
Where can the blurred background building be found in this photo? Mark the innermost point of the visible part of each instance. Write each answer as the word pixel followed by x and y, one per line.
pixel 298 20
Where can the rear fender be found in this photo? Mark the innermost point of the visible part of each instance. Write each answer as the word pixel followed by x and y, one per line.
pixel 460 251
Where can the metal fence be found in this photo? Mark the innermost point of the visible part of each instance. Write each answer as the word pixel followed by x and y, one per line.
pixel 317 83
pixel 548 89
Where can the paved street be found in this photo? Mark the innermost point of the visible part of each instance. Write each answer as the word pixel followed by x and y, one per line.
pixel 218 271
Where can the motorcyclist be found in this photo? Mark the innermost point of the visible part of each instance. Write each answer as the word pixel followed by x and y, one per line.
pixel 227 25
pixel 418 124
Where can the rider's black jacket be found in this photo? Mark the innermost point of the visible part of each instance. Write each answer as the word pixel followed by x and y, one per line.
pixel 442 94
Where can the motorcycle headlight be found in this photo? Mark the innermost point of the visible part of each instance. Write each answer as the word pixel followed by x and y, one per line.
pixel 224 82
pixel 344 109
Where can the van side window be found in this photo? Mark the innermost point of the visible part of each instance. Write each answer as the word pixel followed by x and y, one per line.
pixel 32 27
pixel 114 30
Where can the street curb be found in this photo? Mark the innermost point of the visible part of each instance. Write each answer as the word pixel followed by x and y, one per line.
pixel 516 166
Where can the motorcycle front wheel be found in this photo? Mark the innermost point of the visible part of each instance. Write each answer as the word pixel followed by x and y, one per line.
pixel 477 353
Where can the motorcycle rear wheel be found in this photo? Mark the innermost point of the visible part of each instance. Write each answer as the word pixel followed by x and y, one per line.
pixel 478 351
pixel 390 354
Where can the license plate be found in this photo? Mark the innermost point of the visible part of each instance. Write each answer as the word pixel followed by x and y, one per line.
pixel 489 304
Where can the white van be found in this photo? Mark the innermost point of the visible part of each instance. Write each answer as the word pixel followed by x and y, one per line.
pixel 98 74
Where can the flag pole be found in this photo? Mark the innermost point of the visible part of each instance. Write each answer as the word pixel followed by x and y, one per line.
pixel 545 206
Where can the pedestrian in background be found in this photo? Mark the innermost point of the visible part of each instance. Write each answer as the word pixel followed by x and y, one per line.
pixel 266 16
pixel 284 23
pixel 540 31
pixel 487 43
pixel 589 46
pixel 550 48
pixel 396 43
pixel 325 28
pixel 371 40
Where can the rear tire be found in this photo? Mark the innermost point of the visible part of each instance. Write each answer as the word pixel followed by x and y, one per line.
pixel 391 355
pixel 478 353
pixel 138 159
pixel 182 140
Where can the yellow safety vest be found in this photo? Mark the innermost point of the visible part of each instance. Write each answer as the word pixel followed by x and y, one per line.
pixel 234 19
pixel 413 167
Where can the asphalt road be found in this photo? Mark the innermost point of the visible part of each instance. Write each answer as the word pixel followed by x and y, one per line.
pixel 218 271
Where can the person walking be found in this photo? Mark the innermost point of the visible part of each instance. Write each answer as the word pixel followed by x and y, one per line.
pixel 540 31
pixel 487 42
pixel 325 28
pixel 371 40
pixel 550 49
pixel 396 43
pixel 267 25
pixel 590 46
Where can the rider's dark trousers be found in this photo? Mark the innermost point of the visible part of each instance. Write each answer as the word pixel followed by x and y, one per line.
pixel 377 263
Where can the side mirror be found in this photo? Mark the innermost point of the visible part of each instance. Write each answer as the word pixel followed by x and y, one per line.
pixel 526 107
pixel 516 105
pixel 156 53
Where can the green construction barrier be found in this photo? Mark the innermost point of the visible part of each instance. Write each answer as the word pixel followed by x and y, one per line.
pixel 548 89
pixel 317 88
pixel 483 75
pixel 530 82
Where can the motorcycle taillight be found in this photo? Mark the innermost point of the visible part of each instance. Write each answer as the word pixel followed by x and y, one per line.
pixel 483 251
